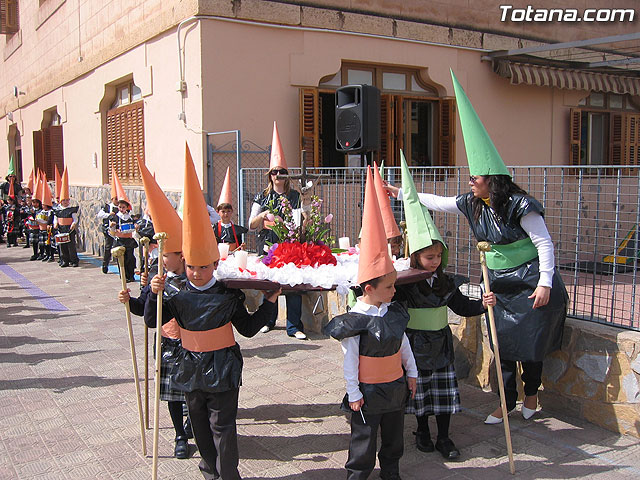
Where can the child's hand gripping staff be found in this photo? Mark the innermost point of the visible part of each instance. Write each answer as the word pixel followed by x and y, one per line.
pixel 485 247
pixel 118 254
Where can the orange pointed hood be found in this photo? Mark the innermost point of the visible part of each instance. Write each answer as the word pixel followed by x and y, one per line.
pixel 277 154
pixel 115 184
pixel 164 216
pixel 225 193
pixel 58 179
pixel 390 226
pixel 30 183
pixel 36 186
pixel 64 189
pixel 374 254
pixel 46 191
pixel 114 193
pixel 199 245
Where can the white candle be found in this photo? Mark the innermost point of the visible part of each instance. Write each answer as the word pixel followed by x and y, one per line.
pixel 343 243
pixel 223 248
pixel 241 258
pixel 389 250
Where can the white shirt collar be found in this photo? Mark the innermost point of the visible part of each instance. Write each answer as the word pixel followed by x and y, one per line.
pixel 226 225
pixel 207 286
pixel 432 278
pixel 371 310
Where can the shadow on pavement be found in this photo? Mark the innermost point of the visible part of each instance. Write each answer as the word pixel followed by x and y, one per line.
pixel 284 412
pixel 321 474
pixel 277 351
pixel 62 384
pixel 12 342
pixel 36 358
pixel 300 447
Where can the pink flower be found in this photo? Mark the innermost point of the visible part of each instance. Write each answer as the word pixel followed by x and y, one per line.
pixel 328 218
pixel 270 217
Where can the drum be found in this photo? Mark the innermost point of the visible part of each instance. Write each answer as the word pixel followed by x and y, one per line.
pixel 31 223
pixel 62 238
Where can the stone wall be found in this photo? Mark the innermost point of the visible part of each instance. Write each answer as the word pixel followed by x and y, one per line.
pixel 91 200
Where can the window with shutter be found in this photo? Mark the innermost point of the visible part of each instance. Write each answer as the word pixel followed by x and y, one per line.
pixel 575 129
pixel 446 142
pixel 9 17
pixel 48 150
pixel 632 140
pixel 410 116
pixel 125 141
pixel 309 120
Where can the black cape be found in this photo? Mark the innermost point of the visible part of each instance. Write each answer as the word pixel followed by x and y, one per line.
pixel 379 337
pixel 524 333
pixel 433 349
pixel 196 310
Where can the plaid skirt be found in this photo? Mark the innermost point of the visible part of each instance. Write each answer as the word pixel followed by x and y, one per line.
pixel 168 366
pixel 436 393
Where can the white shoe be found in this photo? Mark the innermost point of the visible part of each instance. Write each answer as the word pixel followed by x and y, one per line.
pixel 527 413
pixel 491 420
pixel 265 329
pixel 300 336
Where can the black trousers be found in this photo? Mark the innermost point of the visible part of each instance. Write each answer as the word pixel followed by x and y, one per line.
pixel 363 445
pixel 213 420
pixel 531 377
pixel 68 250
pixel 108 245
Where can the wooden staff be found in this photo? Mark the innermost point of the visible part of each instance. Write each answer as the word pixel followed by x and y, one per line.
pixel 118 253
pixel 160 237
pixel 145 252
pixel 486 247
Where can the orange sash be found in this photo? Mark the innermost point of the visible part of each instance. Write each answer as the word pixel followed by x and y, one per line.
pixel 171 329
pixel 208 340
pixel 380 369
pixel 65 221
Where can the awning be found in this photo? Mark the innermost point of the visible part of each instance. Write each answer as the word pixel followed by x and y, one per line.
pixel 528 74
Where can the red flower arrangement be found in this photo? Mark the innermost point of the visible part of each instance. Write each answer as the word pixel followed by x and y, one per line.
pixel 300 254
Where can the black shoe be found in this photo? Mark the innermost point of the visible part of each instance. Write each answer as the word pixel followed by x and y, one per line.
pixel 446 447
pixel 129 280
pixel 74 264
pixel 33 257
pixel 26 245
pixel 44 259
pixel 64 265
pixel 423 442
pixel 182 448
pixel 40 257
pixel 9 245
pixel 51 259
pixel 105 268
pixel 187 428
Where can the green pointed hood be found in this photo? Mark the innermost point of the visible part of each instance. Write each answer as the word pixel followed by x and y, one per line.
pixel 421 231
pixel 12 168
pixel 482 155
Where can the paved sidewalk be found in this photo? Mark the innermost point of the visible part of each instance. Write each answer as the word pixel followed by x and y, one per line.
pixel 69 412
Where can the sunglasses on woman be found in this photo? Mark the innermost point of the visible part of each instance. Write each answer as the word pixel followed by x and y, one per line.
pixel 280 171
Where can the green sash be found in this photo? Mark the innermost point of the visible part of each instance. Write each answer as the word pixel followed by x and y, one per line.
pixel 428 318
pixel 511 255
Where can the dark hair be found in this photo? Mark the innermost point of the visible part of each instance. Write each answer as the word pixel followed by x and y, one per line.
pixel 224 206
pixel 501 187
pixel 126 203
pixel 373 282
pixel 441 284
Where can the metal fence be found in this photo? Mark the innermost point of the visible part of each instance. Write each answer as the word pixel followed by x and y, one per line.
pixel 591 213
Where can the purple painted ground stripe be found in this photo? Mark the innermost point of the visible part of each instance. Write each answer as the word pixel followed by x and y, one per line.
pixel 46 300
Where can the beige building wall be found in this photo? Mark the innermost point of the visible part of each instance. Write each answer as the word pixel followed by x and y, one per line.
pixel 67 55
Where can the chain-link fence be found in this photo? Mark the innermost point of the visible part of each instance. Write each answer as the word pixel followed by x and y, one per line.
pixel 591 213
